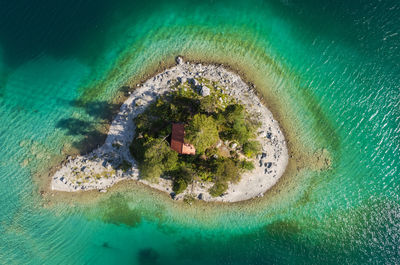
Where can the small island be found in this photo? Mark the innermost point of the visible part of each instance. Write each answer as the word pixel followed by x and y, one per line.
pixel 195 131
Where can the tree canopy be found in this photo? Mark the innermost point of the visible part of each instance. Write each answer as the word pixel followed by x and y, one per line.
pixel 202 132
pixel 158 158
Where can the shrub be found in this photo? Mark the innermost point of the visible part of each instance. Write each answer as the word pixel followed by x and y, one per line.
pixel 218 189
pixel 246 165
pixel 179 186
pixel 237 125
pixel 211 151
pixel 150 171
pixel 137 148
pixel 251 148
pixel 208 105
pixel 189 199
pixel 228 171
pixel 142 122
pixel 186 173
pixel 125 165
pixel 240 131
pixel 234 113
pixel 182 177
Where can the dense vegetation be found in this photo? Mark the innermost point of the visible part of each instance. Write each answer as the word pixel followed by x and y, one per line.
pixel 220 129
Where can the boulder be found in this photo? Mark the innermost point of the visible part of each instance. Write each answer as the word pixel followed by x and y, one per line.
pixel 181 80
pixel 205 91
pixel 179 60
pixel 192 81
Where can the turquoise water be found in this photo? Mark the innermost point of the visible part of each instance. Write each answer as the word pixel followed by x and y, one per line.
pixel 330 70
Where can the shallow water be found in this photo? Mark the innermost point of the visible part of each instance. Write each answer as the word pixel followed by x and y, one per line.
pixel 329 71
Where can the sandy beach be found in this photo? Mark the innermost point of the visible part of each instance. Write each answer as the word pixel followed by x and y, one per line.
pixel 98 170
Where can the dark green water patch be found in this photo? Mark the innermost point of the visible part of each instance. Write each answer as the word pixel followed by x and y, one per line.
pixel 148 256
pixel 106 245
pixel 324 128
pixel 316 179
pixel 3 82
pixel 117 211
pixel 306 197
pixel 281 242
pixel 283 229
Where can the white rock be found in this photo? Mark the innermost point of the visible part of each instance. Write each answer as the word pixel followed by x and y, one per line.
pixel 179 60
pixel 205 91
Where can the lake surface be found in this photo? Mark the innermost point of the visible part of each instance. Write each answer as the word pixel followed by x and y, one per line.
pixel 330 70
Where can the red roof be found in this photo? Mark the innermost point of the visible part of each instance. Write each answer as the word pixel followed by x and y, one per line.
pixel 177 140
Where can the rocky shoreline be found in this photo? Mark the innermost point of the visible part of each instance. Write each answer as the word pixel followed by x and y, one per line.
pixel 112 162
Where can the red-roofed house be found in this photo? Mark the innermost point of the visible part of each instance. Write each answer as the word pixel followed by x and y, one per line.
pixel 177 140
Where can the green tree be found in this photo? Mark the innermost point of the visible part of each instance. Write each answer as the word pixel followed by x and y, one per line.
pixel 142 122
pixel 158 158
pixel 227 171
pixel 234 113
pixel 251 148
pixel 150 171
pixel 202 132
pixel 182 178
pixel 240 131
pixel 179 186
pixel 237 126
pixel 208 105
pixel 246 165
pixel 218 189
